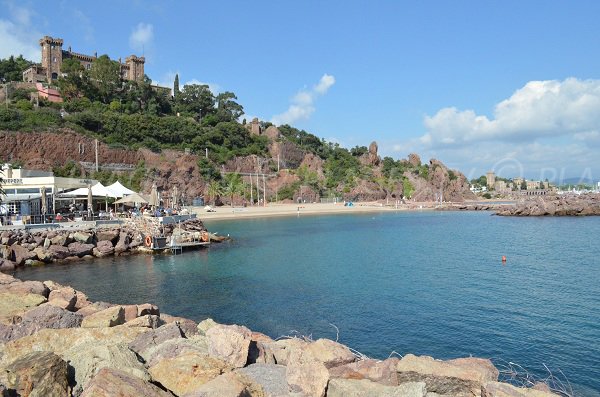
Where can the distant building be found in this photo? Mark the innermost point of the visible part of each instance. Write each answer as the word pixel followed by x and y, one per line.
pixel 53 55
pixel 490 179
pixel 501 187
pixel 518 182
pixel 532 185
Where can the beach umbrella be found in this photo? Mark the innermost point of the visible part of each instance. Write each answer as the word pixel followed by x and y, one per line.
pixel 154 196
pixel 132 199
pixel 175 196
pixel 90 201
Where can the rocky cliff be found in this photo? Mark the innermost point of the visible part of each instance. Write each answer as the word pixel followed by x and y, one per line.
pixel 168 168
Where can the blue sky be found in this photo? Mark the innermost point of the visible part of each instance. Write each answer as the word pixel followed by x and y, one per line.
pixel 512 86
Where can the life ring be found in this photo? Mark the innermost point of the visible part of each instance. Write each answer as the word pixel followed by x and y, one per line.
pixel 204 237
pixel 148 241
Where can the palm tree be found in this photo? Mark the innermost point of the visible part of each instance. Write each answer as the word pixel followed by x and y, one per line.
pixel 233 185
pixel 214 190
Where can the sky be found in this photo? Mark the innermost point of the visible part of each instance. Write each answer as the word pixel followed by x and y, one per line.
pixel 508 86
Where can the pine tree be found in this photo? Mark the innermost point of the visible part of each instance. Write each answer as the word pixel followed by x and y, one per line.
pixel 176 86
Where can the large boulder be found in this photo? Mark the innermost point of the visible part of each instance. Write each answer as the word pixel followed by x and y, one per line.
pixel 59 240
pixel 59 252
pixel 44 254
pixel 7 265
pixel 111 235
pixel 26 287
pixel 270 377
pixel 103 248
pixel 110 317
pixel 123 243
pixel 229 384
pixel 88 359
pixel 92 308
pixel 38 374
pixel 187 372
pixel 205 325
pixel 13 306
pixel 43 316
pixel 305 374
pixel 258 351
pixel 147 342
pixel 20 254
pixel 364 387
pixel 176 347
pixel 463 377
pixel 110 382
pixel 229 343
pixel 330 353
pixel 80 249
pixel 65 340
pixel 82 237
pixel 148 321
pixel 383 372
pixel 497 389
pixel 281 349
pixel 64 297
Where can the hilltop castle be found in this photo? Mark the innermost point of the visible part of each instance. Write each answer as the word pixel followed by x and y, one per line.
pixel 53 55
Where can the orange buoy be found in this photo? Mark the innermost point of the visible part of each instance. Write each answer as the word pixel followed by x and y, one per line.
pixel 148 241
pixel 503 258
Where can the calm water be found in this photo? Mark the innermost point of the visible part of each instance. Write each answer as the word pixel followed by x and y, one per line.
pixel 426 283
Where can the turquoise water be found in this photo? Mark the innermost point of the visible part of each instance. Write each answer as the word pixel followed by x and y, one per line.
pixel 426 283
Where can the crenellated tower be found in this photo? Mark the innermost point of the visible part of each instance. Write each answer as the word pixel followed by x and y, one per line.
pixel 52 56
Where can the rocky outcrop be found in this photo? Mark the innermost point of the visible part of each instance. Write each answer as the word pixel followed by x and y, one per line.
pixel 83 352
pixel 555 205
pixel 36 248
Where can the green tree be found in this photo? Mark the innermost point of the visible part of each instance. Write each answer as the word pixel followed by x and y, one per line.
pixel 105 76
pixel 196 100
pixel 11 69
pixel 214 191
pixel 227 108
pixel 233 185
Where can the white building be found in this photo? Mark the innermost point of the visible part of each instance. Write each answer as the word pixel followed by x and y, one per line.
pixel 23 190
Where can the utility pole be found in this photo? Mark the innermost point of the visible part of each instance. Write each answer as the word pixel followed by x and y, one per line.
pixel 206 153
pixel 96 144
pixel 264 192
pixel 278 164
pixel 251 191
pixel 257 188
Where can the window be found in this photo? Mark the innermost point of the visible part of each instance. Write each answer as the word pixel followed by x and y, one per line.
pixel 54 59
pixel 88 66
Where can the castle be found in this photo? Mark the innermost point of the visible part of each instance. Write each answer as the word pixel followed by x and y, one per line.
pixel 53 55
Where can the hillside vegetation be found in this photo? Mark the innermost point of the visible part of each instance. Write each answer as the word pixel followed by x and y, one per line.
pixel 136 116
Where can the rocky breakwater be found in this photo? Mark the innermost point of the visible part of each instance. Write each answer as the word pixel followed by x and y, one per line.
pixel 32 248
pixel 55 342
pixel 555 205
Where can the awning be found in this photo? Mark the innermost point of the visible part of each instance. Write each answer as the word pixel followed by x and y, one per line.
pixel 119 190
pixel 98 190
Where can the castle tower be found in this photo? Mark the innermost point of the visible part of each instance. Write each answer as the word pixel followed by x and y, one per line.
pixel 491 180
pixel 51 56
pixel 135 65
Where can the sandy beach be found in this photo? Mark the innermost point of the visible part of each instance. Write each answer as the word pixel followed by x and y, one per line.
pixel 272 210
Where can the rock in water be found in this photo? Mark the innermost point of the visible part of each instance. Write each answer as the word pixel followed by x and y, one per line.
pixel 38 374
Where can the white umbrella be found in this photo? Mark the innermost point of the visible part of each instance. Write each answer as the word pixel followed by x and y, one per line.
pixel 132 199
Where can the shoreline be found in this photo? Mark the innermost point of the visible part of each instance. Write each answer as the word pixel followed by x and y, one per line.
pixel 65 344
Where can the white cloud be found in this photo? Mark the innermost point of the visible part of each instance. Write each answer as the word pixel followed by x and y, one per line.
pixel 141 36
pixel 19 37
pixel 302 105
pixel 539 109
pixel 546 127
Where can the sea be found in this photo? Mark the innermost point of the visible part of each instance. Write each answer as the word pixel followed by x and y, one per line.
pixel 388 284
